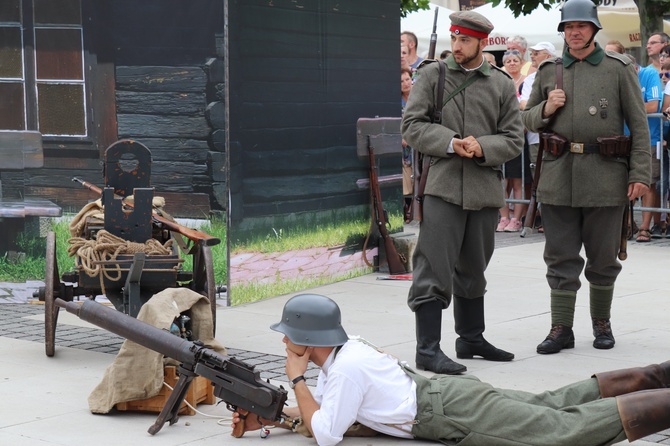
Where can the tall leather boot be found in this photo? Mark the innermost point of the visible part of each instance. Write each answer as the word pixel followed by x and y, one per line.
pixel 621 382
pixel 429 356
pixel 470 325
pixel 644 413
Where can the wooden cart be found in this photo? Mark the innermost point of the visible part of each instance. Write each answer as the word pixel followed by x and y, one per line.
pixel 129 280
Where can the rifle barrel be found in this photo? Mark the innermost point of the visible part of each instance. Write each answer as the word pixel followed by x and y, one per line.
pixel 433 36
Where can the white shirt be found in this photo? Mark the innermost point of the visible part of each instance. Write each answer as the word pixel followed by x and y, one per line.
pixel 364 385
pixel 533 138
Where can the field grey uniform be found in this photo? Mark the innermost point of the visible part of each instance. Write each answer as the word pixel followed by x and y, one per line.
pixel 462 197
pixel 583 195
pixel 460 236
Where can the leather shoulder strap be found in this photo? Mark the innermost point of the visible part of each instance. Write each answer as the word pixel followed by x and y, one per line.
pixel 437 107
pixel 559 73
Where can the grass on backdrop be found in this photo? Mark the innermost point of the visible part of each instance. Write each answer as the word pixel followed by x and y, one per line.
pixel 286 235
pixel 255 291
pixel 34 265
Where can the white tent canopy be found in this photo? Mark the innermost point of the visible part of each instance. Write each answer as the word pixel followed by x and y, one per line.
pixel 421 24
pixel 620 22
pixel 619 19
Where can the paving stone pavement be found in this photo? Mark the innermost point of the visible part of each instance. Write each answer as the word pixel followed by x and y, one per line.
pixel 18 322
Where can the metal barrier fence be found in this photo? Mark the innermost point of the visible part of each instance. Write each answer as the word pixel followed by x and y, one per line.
pixel 660 155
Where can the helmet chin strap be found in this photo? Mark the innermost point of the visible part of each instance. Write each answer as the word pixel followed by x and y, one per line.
pixel 586 45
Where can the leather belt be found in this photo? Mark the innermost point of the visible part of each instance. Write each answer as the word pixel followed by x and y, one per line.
pixel 578 147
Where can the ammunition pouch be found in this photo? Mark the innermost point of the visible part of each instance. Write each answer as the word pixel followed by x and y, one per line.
pixel 554 143
pixel 619 145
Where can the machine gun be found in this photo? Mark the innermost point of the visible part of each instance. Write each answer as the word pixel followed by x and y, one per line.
pixel 235 382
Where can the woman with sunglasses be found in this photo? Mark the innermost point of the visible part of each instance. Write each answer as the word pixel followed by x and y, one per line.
pixel 512 62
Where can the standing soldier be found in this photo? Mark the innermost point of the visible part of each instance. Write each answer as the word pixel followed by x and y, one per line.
pixel 481 129
pixel 589 172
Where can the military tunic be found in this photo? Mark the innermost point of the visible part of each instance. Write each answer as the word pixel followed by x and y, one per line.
pixel 601 92
pixel 583 194
pixel 463 195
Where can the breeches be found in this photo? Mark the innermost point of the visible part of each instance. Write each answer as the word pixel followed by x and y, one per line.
pixel 470 412
pixel 566 229
pixel 452 253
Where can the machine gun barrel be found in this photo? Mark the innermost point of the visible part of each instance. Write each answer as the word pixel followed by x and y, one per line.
pixel 235 382
pixel 135 330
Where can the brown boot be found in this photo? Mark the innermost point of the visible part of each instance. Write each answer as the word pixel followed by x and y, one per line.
pixel 644 413
pixel 620 382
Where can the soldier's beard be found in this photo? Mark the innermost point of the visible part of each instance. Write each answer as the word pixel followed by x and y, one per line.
pixel 467 59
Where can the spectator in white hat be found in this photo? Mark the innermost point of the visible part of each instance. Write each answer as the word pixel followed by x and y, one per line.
pixel 538 53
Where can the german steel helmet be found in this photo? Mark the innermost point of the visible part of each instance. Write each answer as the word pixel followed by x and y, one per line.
pixel 312 320
pixel 579 11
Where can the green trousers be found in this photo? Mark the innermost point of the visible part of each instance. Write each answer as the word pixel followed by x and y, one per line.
pixel 465 411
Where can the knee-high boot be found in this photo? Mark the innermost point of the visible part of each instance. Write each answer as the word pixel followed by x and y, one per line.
pixel 621 382
pixel 429 356
pixel 644 413
pixel 470 325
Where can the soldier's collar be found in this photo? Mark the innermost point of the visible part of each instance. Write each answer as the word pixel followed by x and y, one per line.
pixel 485 67
pixel 594 58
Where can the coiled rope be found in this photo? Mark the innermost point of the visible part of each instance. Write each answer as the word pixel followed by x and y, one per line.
pixel 107 247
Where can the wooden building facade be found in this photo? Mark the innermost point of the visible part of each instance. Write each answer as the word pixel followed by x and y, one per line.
pixel 252 100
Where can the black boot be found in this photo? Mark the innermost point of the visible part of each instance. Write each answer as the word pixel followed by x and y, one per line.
pixel 602 332
pixel 559 337
pixel 429 356
pixel 469 317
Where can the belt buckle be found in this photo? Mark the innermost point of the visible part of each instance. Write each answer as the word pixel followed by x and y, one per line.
pixel 576 147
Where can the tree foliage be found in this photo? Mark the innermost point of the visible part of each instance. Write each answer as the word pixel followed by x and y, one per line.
pixel 407 6
pixel 650 11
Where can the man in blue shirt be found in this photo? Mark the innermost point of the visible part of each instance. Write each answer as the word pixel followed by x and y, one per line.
pixel 652 93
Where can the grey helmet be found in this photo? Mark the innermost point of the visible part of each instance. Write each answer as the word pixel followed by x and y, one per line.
pixel 312 320
pixel 579 11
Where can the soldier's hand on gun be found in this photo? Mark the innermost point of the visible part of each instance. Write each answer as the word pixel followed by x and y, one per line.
pixel 555 100
pixel 249 422
pixel 636 190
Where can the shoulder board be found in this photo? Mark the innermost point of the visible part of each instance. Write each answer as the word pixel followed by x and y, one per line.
pixel 551 60
pixel 493 67
pixel 426 62
pixel 620 57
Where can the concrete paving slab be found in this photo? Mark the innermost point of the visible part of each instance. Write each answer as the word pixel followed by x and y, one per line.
pixel 45 399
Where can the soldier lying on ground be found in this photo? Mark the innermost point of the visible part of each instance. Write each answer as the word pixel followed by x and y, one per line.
pixel 360 384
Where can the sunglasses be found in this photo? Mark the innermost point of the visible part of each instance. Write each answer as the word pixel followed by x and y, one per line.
pixel 664 75
pixel 513 52
pixel 664 55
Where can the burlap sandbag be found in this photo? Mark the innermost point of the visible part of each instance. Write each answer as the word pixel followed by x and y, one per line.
pixel 137 372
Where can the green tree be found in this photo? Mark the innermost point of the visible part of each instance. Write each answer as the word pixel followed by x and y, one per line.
pixel 650 11
pixel 407 6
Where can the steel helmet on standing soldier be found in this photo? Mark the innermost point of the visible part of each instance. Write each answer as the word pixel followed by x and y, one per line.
pixel 579 11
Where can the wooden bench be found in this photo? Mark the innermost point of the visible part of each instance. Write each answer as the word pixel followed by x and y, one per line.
pixel 20 150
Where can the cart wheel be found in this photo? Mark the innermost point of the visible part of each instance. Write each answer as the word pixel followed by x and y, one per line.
pixel 203 277
pixel 51 287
